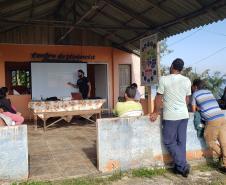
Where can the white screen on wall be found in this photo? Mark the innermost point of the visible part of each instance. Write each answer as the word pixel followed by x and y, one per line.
pixel 50 79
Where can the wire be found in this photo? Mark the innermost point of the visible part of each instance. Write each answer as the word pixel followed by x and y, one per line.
pixel 212 54
pixel 216 33
pixel 185 37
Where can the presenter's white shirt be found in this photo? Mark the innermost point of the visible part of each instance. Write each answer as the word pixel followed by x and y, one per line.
pixel 174 88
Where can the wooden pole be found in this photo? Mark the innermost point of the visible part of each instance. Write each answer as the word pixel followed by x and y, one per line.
pixel 158 60
pixel 150 101
pixel 150 107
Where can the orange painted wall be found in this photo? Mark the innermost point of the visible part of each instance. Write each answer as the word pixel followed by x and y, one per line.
pixel 111 56
pixel 120 57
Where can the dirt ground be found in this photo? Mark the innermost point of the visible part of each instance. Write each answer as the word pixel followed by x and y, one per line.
pixel 196 177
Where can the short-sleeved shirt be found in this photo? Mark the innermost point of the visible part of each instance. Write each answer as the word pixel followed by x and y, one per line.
pixel 125 107
pixel 83 86
pixel 174 88
pixel 207 103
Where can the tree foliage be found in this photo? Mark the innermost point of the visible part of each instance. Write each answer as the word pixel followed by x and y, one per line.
pixel 164 49
pixel 215 82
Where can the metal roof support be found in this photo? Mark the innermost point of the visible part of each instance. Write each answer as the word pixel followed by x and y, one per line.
pixel 112 33
pixel 93 8
pixel 199 3
pixel 59 6
pixel 74 10
pixel 21 10
pixel 125 23
pixel 112 41
pixel 112 18
pixel 215 4
pixel 157 6
pixel 19 23
pixel 25 8
pixel 163 10
pixel 105 14
pixel 32 8
pixel 129 12
pixel 5 4
pixel 68 24
pixel 99 10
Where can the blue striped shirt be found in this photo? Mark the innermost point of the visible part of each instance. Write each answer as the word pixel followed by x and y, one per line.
pixel 207 103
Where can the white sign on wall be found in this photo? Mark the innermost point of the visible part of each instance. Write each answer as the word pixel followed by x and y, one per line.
pixel 50 79
pixel 149 60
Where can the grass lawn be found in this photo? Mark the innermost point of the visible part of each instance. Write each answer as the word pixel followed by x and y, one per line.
pixel 136 173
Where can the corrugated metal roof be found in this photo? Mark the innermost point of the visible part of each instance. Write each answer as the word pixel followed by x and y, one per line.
pixel 123 22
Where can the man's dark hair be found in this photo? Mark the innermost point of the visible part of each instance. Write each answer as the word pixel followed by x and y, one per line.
pixel 178 64
pixel 134 85
pixel 81 71
pixel 200 84
pixel 5 90
pixel 2 93
pixel 131 92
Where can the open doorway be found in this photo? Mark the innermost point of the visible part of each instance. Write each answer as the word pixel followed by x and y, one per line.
pixel 98 75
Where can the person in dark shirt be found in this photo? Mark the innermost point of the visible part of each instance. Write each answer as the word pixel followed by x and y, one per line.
pixel 82 84
pixel 222 101
pixel 5 103
pixel 8 110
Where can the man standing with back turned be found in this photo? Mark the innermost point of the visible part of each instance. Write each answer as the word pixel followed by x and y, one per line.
pixel 174 90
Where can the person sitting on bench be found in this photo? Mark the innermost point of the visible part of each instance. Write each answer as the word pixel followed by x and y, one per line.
pixel 5 120
pixel 9 111
pixel 130 107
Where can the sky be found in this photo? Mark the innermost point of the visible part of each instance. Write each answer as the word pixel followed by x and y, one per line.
pixel 202 48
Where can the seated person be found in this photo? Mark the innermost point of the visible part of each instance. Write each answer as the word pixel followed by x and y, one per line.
pixel 9 111
pixel 130 107
pixel 2 123
pixel 4 120
pixel 138 95
pixel 222 101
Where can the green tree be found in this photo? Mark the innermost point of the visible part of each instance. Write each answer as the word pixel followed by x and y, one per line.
pixel 215 82
pixel 165 70
pixel 164 48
